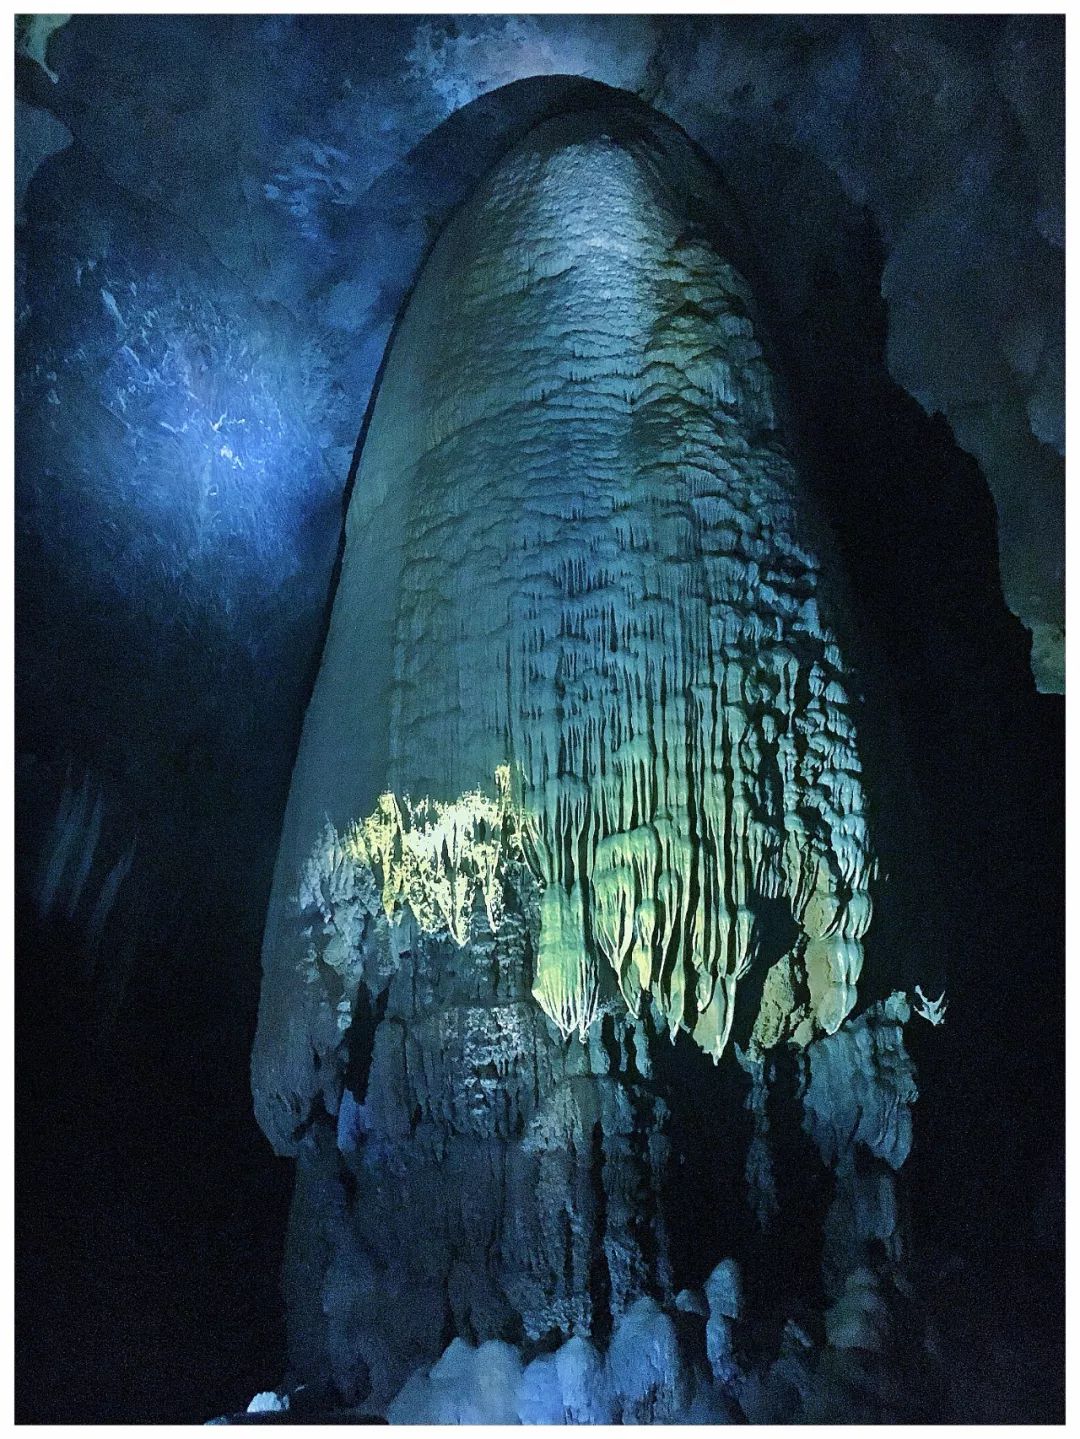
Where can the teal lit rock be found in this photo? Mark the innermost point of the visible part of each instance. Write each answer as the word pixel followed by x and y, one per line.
pixel 579 553
pixel 579 780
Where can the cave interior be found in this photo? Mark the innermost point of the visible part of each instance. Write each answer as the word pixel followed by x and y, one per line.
pixel 367 370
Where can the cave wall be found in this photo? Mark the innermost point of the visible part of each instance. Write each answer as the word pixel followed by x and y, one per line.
pixel 948 131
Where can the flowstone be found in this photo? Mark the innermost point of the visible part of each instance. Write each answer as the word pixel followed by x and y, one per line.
pixel 579 776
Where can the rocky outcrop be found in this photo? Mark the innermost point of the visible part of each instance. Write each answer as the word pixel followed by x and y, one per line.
pixel 483 1179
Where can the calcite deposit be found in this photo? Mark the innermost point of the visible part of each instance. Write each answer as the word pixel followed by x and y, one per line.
pixel 579 552
pixel 580 774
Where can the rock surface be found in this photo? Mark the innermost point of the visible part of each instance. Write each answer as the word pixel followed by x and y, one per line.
pixel 251 193
pixel 630 615
pixel 580 558
pixel 948 133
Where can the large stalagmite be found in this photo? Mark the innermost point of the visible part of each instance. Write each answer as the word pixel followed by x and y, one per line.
pixel 582 745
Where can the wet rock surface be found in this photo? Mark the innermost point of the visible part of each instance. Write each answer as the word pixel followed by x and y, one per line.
pixel 481 1135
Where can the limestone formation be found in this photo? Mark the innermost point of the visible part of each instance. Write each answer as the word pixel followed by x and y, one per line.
pixel 579 554
pixel 580 772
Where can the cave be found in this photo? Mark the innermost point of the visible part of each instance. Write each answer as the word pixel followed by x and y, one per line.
pixel 539 720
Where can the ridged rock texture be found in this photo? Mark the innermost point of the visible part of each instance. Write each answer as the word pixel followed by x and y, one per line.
pixel 580 557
